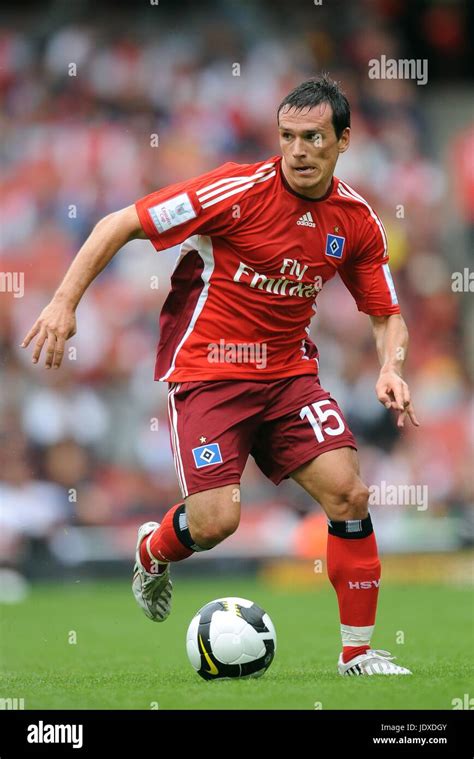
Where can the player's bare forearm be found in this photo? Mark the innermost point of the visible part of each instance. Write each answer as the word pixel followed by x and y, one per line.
pixel 391 339
pixel 57 321
pixel 105 240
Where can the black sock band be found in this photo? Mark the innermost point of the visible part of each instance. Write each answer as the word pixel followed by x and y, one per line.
pixel 180 524
pixel 351 528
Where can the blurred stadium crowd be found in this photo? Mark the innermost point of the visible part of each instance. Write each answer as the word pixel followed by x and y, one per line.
pixel 89 444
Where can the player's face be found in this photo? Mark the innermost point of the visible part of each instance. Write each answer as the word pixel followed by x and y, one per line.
pixel 310 148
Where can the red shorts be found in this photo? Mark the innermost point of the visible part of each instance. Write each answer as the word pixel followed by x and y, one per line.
pixel 215 424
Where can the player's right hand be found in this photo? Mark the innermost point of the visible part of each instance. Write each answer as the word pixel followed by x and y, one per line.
pixel 55 325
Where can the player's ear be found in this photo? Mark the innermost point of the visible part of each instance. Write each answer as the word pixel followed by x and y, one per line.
pixel 344 140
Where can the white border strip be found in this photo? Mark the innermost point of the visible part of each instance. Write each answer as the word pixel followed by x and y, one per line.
pixel 178 461
pixel 203 246
pixel 390 284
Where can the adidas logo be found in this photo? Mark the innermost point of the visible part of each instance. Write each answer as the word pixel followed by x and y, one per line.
pixel 306 220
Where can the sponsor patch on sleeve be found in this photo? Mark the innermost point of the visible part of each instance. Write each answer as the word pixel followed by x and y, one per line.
pixel 172 212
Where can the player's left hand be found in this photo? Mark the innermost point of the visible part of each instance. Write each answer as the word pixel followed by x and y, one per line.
pixel 393 392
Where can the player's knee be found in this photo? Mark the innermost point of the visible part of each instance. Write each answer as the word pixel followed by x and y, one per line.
pixel 209 534
pixel 353 504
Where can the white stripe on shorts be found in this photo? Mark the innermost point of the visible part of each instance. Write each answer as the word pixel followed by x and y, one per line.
pixel 173 417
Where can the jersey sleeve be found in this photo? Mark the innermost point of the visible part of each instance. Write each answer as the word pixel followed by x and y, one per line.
pixel 171 215
pixel 366 273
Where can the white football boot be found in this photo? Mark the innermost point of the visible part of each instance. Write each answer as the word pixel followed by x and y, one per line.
pixel 152 591
pixel 373 662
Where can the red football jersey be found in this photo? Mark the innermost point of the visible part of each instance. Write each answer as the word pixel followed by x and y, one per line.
pixel 253 259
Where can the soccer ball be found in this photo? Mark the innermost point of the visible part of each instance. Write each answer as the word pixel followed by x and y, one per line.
pixel 231 637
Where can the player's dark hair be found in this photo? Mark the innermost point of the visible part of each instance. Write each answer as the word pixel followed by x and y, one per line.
pixel 320 89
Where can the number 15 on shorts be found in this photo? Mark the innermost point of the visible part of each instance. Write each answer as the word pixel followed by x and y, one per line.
pixel 318 419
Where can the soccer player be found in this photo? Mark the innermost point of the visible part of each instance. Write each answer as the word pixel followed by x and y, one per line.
pixel 258 243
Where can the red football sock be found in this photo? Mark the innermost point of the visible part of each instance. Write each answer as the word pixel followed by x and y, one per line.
pixel 163 545
pixel 354 570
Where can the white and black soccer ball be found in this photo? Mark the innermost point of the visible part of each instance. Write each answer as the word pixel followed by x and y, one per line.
pixel 231 637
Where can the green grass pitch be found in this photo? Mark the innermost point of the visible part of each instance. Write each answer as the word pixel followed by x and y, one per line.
pixel 124 661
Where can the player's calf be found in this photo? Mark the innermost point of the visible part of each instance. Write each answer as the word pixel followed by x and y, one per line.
pixel 205 520
pixel 213 515
pixel 211 534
